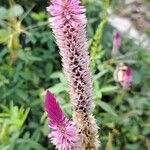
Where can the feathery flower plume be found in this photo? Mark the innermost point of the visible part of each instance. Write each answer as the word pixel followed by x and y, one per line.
pixel 116 43
pixel 123 76
pixel 68 23
pixel 63 133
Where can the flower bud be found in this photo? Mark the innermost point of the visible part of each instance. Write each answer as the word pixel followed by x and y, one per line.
pixel 116 43
pixel 123 76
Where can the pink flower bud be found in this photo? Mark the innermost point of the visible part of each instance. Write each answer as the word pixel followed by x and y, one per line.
pixel 116 43
pixel 123 76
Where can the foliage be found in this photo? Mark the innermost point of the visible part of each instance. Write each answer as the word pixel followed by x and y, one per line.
pixel 11 121
pixel 123 116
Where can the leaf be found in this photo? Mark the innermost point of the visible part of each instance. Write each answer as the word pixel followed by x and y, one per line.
pixel 27 56
pixel 3 12
pixel 109 143
pixel 108 89
pixel 3 80
pixel 106 107
pixel 100 74
pixel 30 144
pixel 136 76
pixel 16 11
pixel 3 35
pixel 25 115
pixel 56 74
pixel 4 134
pixel 57 88
pixel 38 16
pixel 49 68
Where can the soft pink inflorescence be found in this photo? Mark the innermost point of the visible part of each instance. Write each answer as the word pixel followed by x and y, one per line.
pixel 116 43
pixel 63 133
pixel 68 23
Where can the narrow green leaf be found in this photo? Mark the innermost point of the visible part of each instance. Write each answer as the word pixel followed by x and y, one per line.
pixel 106 107
pixel 108 89
pixel 109 143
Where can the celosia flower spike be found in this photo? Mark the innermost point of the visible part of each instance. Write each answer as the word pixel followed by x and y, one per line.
pixel 116 43
pixel 63 133
pixel 68 23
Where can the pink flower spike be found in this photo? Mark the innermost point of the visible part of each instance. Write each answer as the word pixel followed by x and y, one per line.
pixel 116 43
pixel 68 23
pixel 63 133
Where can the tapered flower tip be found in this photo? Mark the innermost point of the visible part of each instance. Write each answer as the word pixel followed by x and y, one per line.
pixel 63 7
pixel 66 11
pixel 52 108
pixel 116 43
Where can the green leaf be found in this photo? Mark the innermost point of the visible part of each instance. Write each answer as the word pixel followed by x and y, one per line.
pixel 38 16
pixel 109 143
pixel 106 107
pixel 3 35
pixel 16 11
pixel 4 134
pixel 3 12
pixel 108 89
pixel 57 88
pixel 30 144
pixel 27 56
pixel 136 76
pixel 3 80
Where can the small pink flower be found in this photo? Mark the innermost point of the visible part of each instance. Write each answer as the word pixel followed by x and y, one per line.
pixel 63 133
pixel 127 78
pixel 116 43
pixel 123 76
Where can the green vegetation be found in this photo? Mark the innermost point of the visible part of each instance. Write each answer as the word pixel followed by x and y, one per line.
pixel 30 64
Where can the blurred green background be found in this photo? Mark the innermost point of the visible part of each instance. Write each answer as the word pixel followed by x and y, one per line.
pixel 30 64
